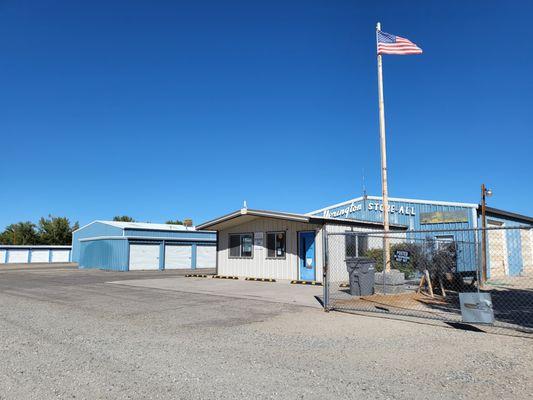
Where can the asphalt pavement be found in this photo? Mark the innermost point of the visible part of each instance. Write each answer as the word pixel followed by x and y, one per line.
pixel 68 333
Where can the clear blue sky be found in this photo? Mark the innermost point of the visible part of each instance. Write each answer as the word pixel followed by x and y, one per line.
pixel 168 109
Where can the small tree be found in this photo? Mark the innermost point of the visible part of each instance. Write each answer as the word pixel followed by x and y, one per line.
pixel 21 233
pixel 426 254
pixel 176 222
pixel 444 259
pixel 123 218
pixel 5 238
pixel 416 262
pixel 56 230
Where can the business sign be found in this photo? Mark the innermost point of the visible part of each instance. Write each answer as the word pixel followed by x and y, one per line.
pixel 393 209
pixel 402 256
pixel 444 217
pixel 343 212
pixel 372 206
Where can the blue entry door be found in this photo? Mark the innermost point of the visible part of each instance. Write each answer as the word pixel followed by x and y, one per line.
pixel 307 259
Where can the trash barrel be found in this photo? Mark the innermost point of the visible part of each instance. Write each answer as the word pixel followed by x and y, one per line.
pixel 361 272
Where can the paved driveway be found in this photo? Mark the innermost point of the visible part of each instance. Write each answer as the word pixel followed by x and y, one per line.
pixel 67 334
pixel 278 292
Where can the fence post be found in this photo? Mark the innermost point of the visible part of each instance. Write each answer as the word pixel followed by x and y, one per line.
pixel 325 266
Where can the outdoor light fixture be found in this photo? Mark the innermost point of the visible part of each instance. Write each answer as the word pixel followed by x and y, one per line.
pixel 488 192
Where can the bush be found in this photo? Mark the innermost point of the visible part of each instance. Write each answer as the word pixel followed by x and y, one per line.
pixel 423 255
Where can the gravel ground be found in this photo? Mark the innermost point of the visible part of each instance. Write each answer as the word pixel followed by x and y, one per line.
pixel 65 333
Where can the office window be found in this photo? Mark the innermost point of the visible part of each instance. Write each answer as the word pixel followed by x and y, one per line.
pixel 241 245
pixel 276 244
pixel 444 242
pixel 356 245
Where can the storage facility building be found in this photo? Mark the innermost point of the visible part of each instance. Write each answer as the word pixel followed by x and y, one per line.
pixel 278 245
pixel 12 254
pixel 509 252
pixel 128 246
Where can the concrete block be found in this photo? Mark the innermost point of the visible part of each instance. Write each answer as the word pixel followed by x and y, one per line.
pixel 393 277
pixel 388 289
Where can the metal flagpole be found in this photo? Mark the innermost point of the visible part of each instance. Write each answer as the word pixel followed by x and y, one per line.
pixel 383 143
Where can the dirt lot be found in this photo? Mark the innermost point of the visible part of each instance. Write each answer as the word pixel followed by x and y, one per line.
pixel 66 333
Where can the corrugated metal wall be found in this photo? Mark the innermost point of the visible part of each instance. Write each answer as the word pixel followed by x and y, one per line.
pixel 99 253
pixel 94 229
pixel 29 254
pixel 194 235
pixel 401 213
pixel 527 250
pixel 511 242
pixel 508 251
pixel 262 267
pixel 259 266
pixel 111 254
pixel 408 213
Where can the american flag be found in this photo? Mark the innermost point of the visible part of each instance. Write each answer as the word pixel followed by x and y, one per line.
pixel 392 44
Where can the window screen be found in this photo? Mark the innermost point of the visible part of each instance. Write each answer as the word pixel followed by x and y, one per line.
pixel 356 245
pixel 362 245
pixel 351 246
pixel 234 245
pixel 276 244
pixel 241 245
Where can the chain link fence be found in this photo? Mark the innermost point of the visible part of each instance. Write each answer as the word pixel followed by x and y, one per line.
pixel 427 273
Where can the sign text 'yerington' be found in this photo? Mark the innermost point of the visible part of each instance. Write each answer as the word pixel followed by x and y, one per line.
pixel 393 209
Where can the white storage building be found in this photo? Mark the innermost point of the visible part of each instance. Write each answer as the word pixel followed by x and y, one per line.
pixel 13 254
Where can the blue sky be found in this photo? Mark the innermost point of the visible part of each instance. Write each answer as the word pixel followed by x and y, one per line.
pixel 169 109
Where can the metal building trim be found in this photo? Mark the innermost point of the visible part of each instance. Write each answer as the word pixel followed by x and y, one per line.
pixel 149 238
pixel 398 199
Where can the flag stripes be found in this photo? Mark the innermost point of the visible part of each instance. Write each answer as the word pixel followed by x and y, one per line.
pixel 396 45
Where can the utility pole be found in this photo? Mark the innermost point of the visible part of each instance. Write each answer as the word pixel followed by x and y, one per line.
pixel 383 147
pixel 484 194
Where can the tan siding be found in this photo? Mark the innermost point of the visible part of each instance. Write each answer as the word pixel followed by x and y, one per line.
pixel 526 238
pixel 259 266
pixel 497 252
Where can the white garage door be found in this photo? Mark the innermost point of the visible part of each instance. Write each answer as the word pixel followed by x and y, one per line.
pixel 178 257
pixel 39 256
pixel 144 257
pixel 2 256
pixel 206 256
pixel 17 256
pixel 60 255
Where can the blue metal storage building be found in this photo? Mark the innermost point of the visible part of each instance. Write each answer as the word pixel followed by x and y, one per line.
pixel 125 246
pixel 22 254
pixel 449 221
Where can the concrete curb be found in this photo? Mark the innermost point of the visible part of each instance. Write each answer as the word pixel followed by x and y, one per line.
pixel 315 283
pixel 260 279
pixel 225 277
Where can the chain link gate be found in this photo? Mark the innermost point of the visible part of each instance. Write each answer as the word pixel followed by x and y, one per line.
pixel 430 271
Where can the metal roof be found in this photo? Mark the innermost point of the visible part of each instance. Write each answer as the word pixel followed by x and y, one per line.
pixel 249 214
pixel 507 214
pixel 148 226
pixel 142 225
